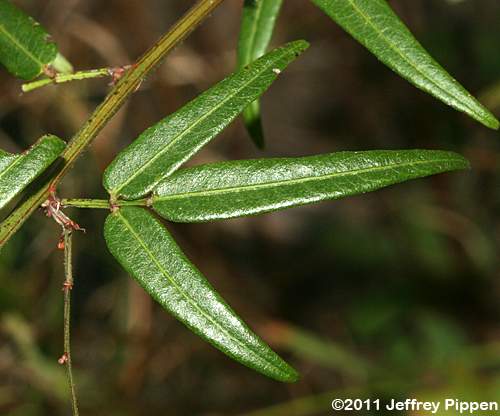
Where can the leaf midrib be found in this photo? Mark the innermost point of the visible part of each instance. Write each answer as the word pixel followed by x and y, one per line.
pixel 11 166
pixel 20 46
pixel 192 126
pixel 411 63
pixel 189 299
pixel 270 184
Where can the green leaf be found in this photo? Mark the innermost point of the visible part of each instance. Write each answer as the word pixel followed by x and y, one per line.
pixel 248 187
pixel 24 45
pixel 257 25
pixel 143 246
pixel 18 171
pixel 376 26
pixel 162 148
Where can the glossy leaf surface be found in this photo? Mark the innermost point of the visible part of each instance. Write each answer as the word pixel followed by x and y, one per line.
pixel 257 25
pixel 18 170
pixel 162 148
pixel 24 45
pixel 378 28
pixel 248 187
pixel 144 247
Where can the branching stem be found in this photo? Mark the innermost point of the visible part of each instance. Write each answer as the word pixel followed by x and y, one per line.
pixel 123 89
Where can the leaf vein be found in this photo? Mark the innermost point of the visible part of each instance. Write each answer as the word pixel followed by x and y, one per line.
pixel 270 184
pixel 368 20
pixel 186 296
pixel 182 134
pixel 20 45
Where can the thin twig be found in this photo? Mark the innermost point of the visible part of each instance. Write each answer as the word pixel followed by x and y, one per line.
pixel 61 78
pixel 67 287
pixel 115 74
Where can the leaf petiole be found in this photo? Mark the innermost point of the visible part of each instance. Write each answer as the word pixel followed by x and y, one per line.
pixel 103 203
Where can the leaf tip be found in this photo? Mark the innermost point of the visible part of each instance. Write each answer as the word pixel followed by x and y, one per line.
pixel 492 122
pixel 484 116
pixel 460 162
pixel 292 376
pixel 300 46
pixel 253 124
pixel 59 143
pixel 466 163
pixel 284 372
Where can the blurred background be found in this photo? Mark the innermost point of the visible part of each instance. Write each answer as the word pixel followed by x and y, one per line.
pixel 393 294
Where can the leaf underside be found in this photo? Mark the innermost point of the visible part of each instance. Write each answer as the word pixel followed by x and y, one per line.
pixel 162 148
pixel 249 187
pixel 257 25
pixel 18 171
pixel 24 45
pixel 374 24
pixel 144 247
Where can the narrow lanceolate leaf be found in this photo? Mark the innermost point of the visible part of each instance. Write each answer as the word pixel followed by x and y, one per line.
pixel 18 171
pixel 143 246
pixel 376 26
pixel 248 187
pixel 161 149
pixel 24 45
pixel 257 25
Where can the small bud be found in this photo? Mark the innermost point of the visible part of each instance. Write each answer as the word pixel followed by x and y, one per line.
pixel 63 359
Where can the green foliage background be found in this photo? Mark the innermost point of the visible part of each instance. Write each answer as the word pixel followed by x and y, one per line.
pixel 392 294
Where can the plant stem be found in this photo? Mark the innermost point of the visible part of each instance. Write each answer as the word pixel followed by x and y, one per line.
pixel 67 287
pixel 131 81
pixel 103 113
pixel 102 203
pixel 61 78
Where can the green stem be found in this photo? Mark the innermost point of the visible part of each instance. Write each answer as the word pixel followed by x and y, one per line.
pixel 103 113
pixel 61 78
pixel 67 287
pixel 102 203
